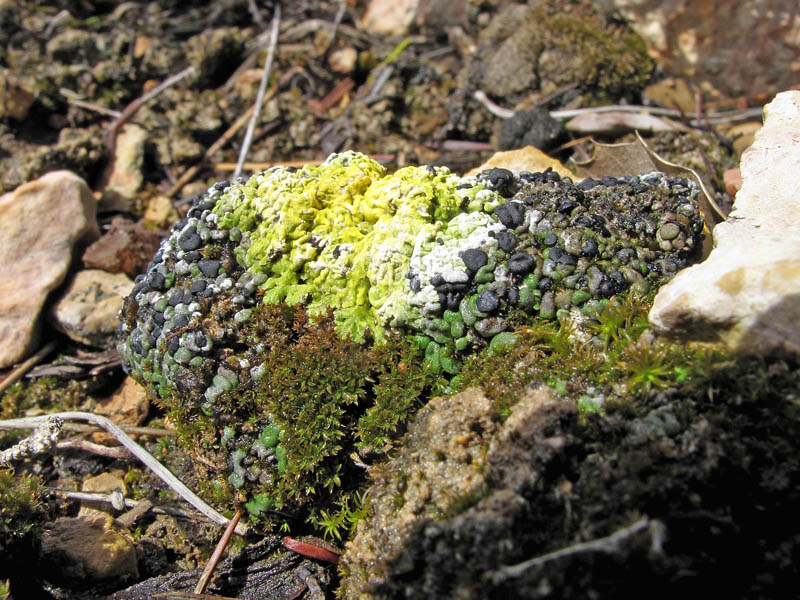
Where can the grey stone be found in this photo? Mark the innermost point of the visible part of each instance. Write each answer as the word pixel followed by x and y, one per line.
pixel 89 308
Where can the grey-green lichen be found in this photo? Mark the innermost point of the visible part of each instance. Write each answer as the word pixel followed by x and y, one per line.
pixel 422 254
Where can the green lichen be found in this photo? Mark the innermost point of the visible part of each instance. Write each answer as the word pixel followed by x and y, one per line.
pixel 339 235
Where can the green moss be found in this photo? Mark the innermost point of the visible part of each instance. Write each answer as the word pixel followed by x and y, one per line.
pixel 24 509
pixel 45 393
pixel 613 65
pixel 610 358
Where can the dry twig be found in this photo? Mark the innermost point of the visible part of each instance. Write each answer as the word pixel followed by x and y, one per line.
pixel 143 455
pixel 609 545
pixel 93 448
pixel 262 88
pixel 130 110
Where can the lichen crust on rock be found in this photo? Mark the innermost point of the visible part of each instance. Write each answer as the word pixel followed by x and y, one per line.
pixel 452 263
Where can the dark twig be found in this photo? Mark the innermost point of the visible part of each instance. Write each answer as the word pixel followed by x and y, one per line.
pixel 130 110
pixel 205 577
pixel 262 89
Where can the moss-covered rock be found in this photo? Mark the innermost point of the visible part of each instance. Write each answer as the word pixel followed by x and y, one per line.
pixel 297 315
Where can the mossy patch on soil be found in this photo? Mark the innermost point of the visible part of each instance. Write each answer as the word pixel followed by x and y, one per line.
pixel 24 509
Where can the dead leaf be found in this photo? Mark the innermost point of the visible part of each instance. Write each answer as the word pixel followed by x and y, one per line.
pixel 82 364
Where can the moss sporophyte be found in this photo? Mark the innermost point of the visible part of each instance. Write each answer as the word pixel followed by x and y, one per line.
pixel 303 313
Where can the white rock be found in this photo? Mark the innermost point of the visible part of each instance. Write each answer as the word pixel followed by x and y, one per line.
pixel 747 293
pixel 392 17
pixel 88 311
pixel 41 222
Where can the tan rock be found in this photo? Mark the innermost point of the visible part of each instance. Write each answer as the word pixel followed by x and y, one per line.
pixel 105 483
pixel 743 135
pixel 392 17
pixel 160 213
pixel 88 311
pixel 41 223
pixel 671 93
pixel 343 60
pixel 15 99
pixel 126 177
pixel 523 159
pixel 747 293
pixel 87 549
pixel 129 405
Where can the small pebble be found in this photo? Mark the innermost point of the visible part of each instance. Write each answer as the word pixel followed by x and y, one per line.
pixel 669 231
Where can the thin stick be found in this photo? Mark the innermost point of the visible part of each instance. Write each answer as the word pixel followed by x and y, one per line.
pixel 107 499
pixel 76 427
pixel 20 370
pixel 74 99
pixel 495 109
pixel 262 88
pixel 336 22
pixel 713 118
pixel 205 577
pixel 93 448
pixel 130 110
pixel 609 544
pixel 143 455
